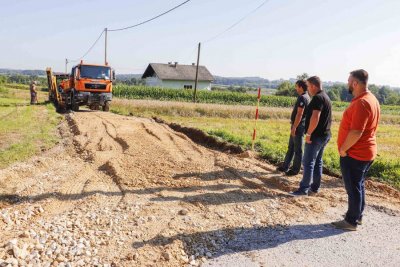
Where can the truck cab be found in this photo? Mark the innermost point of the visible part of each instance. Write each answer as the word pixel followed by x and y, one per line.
pixel 91 85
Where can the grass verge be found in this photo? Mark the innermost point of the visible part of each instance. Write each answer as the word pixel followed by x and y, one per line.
pixel 25 130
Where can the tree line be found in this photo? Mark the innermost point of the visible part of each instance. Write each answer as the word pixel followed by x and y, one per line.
pixel 22 79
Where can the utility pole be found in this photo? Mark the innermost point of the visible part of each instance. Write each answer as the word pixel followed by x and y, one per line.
pixel 197 75
pixel 66 65
pixel 105 47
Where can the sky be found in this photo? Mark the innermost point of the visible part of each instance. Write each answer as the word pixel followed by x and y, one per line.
pixel 282 39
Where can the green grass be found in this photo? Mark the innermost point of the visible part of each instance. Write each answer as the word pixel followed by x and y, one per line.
pixel 24 130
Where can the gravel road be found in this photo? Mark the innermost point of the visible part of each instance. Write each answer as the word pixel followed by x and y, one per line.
pixel 376 243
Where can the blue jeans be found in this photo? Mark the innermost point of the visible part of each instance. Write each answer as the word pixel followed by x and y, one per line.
pixel 295 149
pixel 353 172
pixel 312 163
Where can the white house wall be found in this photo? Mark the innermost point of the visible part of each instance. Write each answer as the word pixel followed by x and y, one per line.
pixel 176 84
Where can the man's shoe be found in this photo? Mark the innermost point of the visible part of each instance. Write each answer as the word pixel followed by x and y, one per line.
pixel 281 169
pixel 291 172
pixel 298 193
pixel 344 225
pixel 359 221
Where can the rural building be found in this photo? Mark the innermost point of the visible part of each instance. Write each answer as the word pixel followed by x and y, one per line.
pixel 173 75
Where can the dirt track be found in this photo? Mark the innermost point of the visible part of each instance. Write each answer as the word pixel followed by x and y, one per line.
pixel 131 191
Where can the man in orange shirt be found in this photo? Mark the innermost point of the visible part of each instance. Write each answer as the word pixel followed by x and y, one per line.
pixel 357 146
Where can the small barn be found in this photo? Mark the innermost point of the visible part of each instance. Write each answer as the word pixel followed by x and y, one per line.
pixel 174 75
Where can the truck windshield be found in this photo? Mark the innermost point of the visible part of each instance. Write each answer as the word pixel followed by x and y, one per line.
pixel 95 72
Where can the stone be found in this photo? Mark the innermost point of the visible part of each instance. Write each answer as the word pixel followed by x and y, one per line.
pixel 10 244
pixel 12 261
pixel 183 212
pixel 81 262
pixel 221 215
pixel 166 256
pixel 185 259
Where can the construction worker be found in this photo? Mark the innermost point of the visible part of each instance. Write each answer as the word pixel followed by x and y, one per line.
pixel 33 91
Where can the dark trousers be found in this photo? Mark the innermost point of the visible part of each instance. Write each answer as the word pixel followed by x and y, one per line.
pixel 295 149
pixel 312 163
pixel 33 98
pixel 353 172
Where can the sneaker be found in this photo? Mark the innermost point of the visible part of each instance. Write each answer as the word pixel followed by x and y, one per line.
pixel 359 221
pixel 298 193
pixel 281 169
pixel 344 225
pixel 291 172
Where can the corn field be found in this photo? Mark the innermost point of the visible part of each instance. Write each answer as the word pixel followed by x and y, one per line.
pixel 215 97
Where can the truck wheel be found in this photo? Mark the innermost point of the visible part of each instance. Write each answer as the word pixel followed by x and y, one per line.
pixel 74 106
pixel 106 106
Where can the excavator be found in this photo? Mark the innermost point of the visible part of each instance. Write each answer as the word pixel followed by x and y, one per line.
pixel 87 85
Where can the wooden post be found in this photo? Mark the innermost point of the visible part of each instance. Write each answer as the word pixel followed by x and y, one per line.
pixel 256 118
pixel 197 75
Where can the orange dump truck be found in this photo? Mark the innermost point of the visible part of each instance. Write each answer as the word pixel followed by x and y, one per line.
pixel 87 85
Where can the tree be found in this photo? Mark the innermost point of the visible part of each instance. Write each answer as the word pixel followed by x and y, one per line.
pixel 345 95
pixel 3 79
pixel 393 99
pixel 333 95
pixel 383 94
pixel 286 89
pixel 303 76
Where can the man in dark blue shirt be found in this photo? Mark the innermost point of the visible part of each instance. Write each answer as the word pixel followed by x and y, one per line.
pixel 296 140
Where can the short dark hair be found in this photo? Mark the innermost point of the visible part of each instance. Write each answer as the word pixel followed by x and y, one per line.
pixel 315 80
pixel 360 75
pixel 302 84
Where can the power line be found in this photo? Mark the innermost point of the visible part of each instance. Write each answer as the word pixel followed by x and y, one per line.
pixel 87 52
pixel 143 22
pixel 236 23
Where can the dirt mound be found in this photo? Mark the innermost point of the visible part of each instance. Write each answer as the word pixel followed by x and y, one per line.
pixel 200 137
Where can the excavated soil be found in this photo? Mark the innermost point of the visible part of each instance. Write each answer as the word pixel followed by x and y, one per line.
pixel 126 191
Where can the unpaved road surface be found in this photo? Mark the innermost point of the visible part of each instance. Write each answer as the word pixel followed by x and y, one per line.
pixel 126 191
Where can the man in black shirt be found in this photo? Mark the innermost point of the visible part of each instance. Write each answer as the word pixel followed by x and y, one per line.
pixel 318 133
pixel 296 140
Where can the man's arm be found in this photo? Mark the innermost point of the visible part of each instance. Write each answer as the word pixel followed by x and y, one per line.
pixel 313 124
pixel 297 120
pixel 352 137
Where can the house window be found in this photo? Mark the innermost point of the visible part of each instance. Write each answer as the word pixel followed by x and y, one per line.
pixel 187 86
